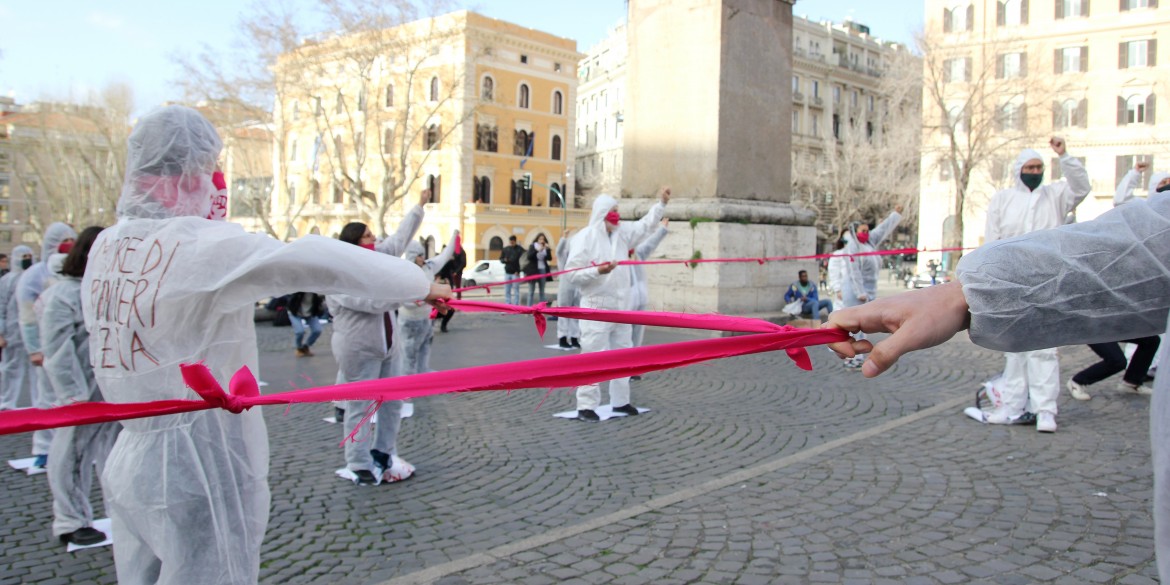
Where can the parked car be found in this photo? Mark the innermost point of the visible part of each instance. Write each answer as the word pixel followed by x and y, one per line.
pixel 485 272
pixel 922 280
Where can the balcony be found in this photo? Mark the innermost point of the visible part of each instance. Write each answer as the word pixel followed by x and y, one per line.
pixel 797 96
pixel 818 102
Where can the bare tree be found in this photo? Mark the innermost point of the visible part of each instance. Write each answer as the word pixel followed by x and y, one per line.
pixel 980 106
pixel 869 158
pixel 74 158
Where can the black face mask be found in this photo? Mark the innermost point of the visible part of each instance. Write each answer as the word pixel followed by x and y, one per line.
pixel 1163 188
pixel 25 263
pixel 1032 180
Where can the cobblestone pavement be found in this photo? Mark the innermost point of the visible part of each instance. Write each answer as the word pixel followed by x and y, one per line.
pixel 746 470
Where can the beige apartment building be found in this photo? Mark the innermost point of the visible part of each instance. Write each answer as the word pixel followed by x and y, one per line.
pixel 462 104
pixel 1087 70
pixel 836 80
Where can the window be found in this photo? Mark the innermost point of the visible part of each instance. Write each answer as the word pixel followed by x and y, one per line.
pixel 558 103
pixel 337 144
pixel 389 101
pixel 362 99
pixel 557 67
pixel 1138 54
pixel 1127 162
pixel 292 149
pixel 292 195
pixel 959 18
pixel 318 109
pixel 434 89
pixel 1012 66
pixel 522 143
pixel 339 105
pixel 6 236
pixel 487 138
pixel 816 89
pixel 388 140
pixel 836 94
pixel 870 99
pixel 796 121
pixel 1072 60
pixel 1057 172
pixel 869 131
pixel 1135 4
pixel 4 214
pixel 1136 109
pixel 1069 113
pixel 524 59
pixel 837 126
pixel 795 84
pixel 555 194
pixel 958 119
pixel 520 195
pixel 433 136
pixel 435 184
pixel 359 145
pixel 338 194
pixel 488 90
pixel 556 148
pixel 1011 117
pixel 853 99
pixel 1012 12
pixel 296 111
pixel 957 70
pixel 523 103
pixel 496 244
pixel 815 125
pixel 1071 8
pixel 482 193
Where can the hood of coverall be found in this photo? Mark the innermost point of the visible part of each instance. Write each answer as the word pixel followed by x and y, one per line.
pixel 169 163
pixel 413 250
pixel 1154 180
pixel 1026 155
pixel 18 253
pixel 55 234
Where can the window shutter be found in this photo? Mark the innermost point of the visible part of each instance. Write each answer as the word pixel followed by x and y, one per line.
pixel 1152 52
pixel 1122 55
pixel 1084 59
pixel 1153 3
pixel 1056 109
pixel 947 21
pixel 967 69
pixel 1151 102
pixel 999 66
pixel 1020 122
pixel 1120 111
pixel 1083 113
pixel 1085 8
pixel 1059 9
pixel 1000 14
pixel 970 17
pixel 1121 168
pixel 1057 61
pixel 1124 5
pixel 1024 12
pixel 1023 64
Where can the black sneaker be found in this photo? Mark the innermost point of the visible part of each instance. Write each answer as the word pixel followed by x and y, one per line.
pixel 364 477
pixel 381 459
pixel 635 378
pixel 587 415
pixel 628 410
pixel 575 343
pixel 565 343
pixel 339 413
pixel 84 536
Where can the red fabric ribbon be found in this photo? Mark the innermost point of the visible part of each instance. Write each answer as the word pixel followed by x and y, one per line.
pixel 556 372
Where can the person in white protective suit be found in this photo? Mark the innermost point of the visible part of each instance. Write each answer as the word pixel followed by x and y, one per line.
pixel 639 287
pixel 367 346
pixel 1047 289
pixel 414 319
pixel 1031 379
pixel 861 272
pixel 15 368
pixel 28 289
pixel 74 450
pixel 169 285
pixel 837 273
pixel 568 330
pixel 606 285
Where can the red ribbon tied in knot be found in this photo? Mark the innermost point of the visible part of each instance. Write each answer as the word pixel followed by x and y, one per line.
pixel 243 386
pixel 537 312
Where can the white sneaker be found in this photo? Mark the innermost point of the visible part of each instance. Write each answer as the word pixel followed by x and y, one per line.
pixel 1078 391
pixel 1136 389
pixel 1046 422
pixel 399 470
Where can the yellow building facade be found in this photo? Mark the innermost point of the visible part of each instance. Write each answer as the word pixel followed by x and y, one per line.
pixel 462 104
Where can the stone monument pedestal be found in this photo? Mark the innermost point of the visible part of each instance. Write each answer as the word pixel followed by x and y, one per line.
pixel 709 112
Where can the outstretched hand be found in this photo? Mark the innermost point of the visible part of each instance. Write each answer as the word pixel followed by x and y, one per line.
pixel 918 320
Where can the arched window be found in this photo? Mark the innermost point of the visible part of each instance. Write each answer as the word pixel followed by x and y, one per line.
pixel 339 107
pixel 1066 114
pixel 432 138
pixel 554 200
pixel 389 95
pixel 434 89
pixel 496 244
pixel 1135 110
pixel 556 148
pixel 1011 116
pixel 435 184
pixel 558 103
pixel 388 140
pixel 521 141
pixel 523 95
pixel 489 89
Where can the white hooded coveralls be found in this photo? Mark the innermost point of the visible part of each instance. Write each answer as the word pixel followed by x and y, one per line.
pixel 567 295
pixel 28 289
pixel 1031 379
pixel 15 369
pixel 415 318
pixel 1092 282
pixel 74 450
pixel 594 244
pixel 188 493
pixel 359 346
pixel 639 287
